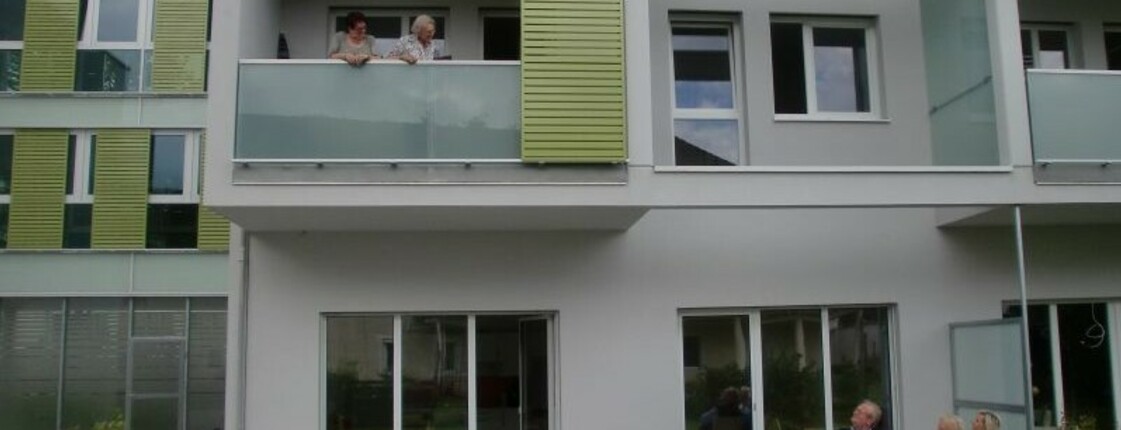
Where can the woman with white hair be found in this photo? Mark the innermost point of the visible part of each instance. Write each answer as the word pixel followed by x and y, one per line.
pixel 950 422
pixel 419 45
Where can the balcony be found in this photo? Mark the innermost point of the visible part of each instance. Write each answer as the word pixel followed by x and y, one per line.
pixel 1074 125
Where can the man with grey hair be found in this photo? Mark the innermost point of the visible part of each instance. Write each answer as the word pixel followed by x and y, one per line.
pixel 866 416
pixel 418 46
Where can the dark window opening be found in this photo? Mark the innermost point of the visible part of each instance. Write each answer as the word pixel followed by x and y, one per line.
pixel 76 231
pixel 788 67
pixel 502 38
pixel 172 226
pixel 1113 49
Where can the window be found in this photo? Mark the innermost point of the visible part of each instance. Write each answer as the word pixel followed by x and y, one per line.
pixel 11 19
pixel 775 365
pixel 387 26
pixel 173 190
pixel 1112 47
pixel 3 225
pixel 825 68
pixel 1045 46
pixel 502 34
pixel 1072 366
pixel 10 63
pixel 7 146
pixel 77 218
pixel 510 357
pixel 126 362
pixel 706 114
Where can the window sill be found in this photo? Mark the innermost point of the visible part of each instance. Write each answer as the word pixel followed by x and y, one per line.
pixel 828 118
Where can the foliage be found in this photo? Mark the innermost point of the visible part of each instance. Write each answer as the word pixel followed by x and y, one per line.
pixel 794 392
pixel 117 422
pixel 701 393
pixel 1081 422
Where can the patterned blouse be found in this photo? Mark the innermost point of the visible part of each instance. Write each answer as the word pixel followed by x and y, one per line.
pixel 410 45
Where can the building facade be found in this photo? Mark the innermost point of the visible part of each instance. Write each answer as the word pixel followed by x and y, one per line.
pixel 595 214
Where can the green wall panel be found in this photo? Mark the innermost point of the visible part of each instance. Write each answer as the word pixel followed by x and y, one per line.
pixel 179 57
pixel 573 87
pixel 38 189
pixel 213 229
pixel 49 45
pixel 120 208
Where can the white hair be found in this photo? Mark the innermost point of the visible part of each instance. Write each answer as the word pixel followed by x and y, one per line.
pixel 421 21
pixel 953 420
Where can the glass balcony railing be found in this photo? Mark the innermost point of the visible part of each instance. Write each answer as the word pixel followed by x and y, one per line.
pixel 326 111
pixel 1074 117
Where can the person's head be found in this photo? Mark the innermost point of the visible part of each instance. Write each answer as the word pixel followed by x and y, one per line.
pixel 986 420
pixel 950 422
pixel 356 24
pixel 728 402
pixel 424 27
pixel 866 415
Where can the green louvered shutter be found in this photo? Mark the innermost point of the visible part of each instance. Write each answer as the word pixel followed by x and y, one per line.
pixel 49 45
pixel 214 229
pixel 179 57
pixel 573 95
pixel 120 207
pixel 38 189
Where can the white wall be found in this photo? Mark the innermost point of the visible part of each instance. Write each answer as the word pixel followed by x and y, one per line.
pixel 1087 19
pixel 617 295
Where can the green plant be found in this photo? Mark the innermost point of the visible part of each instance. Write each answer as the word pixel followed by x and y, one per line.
pixel 116 422
pixel 702 392
pixel 794 392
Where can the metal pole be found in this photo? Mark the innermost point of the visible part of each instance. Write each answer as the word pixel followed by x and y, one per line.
pixel 1023 277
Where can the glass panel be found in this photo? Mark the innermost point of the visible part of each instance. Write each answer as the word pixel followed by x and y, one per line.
pixel 173 226
pixel 718 380
pixel 10 63
pixel 535 373
pixel 155 414
pixel 159 316
pixel 702 66
pixel 93 164
pixel 419 112
pixel 502 38
pixel 76 231
pixel 706 142
pixel 1084 346
pixel 788 68
pixel 117 20
pixel 1074 117
pixel 434 371
pixel 861 364
pixel 1053 50
pixel 841 69
pixel 206 365
pixel 11 19
pixel 71 155
pixel 988 363
pixel 792 372
pixel 959 82
pixel 6 146
pixel 96 347
pixel 166 164
pixel 30 340
pixel 359 376
pixel 156 366
pixel 499 376
pixel 1008 420
pixel 3 226
pixel 105 70
pixel 1112 50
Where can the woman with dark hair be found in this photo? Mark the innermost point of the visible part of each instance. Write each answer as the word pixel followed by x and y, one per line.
pixel 353 46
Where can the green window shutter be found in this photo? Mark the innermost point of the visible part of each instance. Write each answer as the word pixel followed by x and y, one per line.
pixel 38 189
pixel 573 94
pixel 214 229
pixel 49 45
pixel 120 205
pixel 179 57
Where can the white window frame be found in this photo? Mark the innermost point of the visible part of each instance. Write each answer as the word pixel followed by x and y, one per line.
pixel 190 194
pixel 80 176
pixel 732 24
pixel 402 14
pixel 145 24
pixel 7 198
pixel 872 58
pixel 755 346
pixel 1034 28
pixel 551 317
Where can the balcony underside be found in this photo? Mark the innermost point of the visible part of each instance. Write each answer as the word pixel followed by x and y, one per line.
pixel 447 218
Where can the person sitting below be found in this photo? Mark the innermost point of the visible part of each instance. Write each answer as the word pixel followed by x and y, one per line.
pixel 419 45
pixel 726 415
pixel 866 416
pixel 354 46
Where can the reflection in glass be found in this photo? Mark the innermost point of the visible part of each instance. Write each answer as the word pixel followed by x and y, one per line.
pixel 706 142
pixel 434 372
pixel 1084 346
pixel 1042 377
pixel 717 358
pixel 155 414
pixel 166 164
pixel 172 226
pixel 96 352
pixel 206 364
pixel 359 376
pixel 77 222
pixel 841 72
pixel 105 70
pixel 10 61
pixel 117 20
pixel 858 351
pixel 702 65
pixel 512 372
pixel 792 372
pixel 30 332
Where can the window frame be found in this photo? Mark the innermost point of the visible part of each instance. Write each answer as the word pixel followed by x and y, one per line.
pixel 144 43
pixel 190 194
pixel 738 110
pixel 1068 31
pixel 755 356
pixel 872 65
pixel 83 167
pixel 6 199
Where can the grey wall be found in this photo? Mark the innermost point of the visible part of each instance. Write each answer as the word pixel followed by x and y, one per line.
pixel 617 296
pixel 905 140
pixel 1087 18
